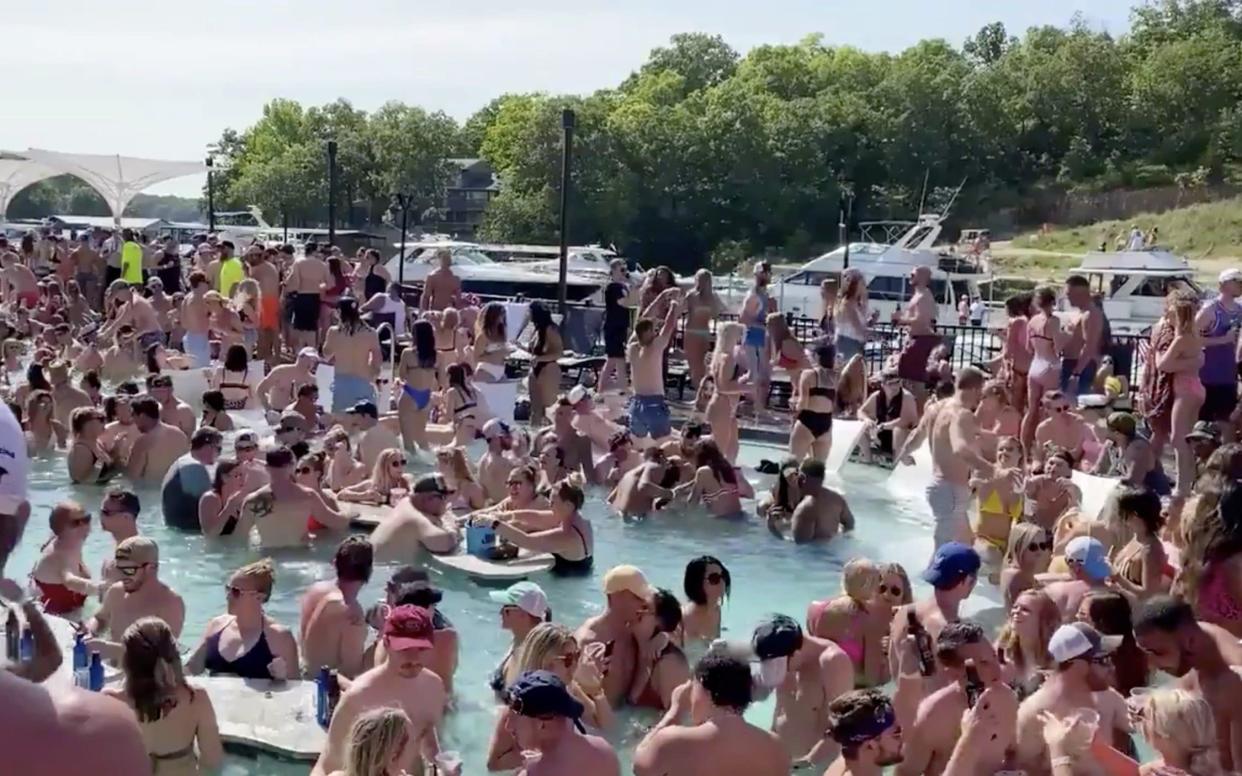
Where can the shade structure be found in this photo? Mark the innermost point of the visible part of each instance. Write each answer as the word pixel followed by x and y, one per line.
pixel 118 179
pixel 17 174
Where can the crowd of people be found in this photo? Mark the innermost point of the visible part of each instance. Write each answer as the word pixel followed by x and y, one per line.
pixel 97 326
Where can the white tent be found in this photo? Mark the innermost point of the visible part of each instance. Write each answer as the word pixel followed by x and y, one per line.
pixel 117 178
pixel 17 174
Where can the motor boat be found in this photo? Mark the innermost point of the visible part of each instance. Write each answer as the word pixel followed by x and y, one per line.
pixel 1134 284
pixel 480 275
pixel 589 261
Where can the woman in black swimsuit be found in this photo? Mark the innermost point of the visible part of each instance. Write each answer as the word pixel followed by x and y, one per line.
pixel 545 373
pixel 376 279
pixel 245 642
pixel 817 394
pixel 219 509
pixel 571 542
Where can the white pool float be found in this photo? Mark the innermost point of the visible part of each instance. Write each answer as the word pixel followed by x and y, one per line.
pixel 277 717
pixel 500 397
pixel 482 570
pixel 845 437
pixel 1095 492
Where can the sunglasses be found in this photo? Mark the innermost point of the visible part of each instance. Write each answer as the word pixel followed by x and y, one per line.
pixel 896 590
pixel 78 522
pixel 236 592
pixel 715 578
pixel 1059 409
pixel 568 659
pixel 129 571
pixel 398 462
pixel 304 470
pixel 1041 546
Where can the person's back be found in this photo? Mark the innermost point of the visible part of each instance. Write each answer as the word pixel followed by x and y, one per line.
pixel 170 739
pixel 723 747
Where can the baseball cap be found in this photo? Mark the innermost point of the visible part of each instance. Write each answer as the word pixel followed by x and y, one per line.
pixel 1206 430
pixel 777 636
pixel 1089 552
pixel 496 428
pixel 543 694
pixel 246 438
pixel 627 579
pixel 1231 274
pixel 137 549
pixel 432 483
pixel 526 596
pixel 364 408
pixel 308 353
pixel 1078 639
pixel 409 627
pixel 292 421
pixel 952 563
pixel 578 393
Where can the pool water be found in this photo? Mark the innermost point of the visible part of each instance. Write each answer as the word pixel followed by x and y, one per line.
pixel 767 575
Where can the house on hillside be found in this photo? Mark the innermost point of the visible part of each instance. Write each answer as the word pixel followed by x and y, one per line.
pixel 469 193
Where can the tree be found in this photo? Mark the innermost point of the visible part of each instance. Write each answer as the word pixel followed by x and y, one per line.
pixel 701 60
pixel 989 44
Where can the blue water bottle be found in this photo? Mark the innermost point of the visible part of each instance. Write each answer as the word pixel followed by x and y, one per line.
pixel 81 662
pixel 26 647
pixel 323 711
pixel 96 673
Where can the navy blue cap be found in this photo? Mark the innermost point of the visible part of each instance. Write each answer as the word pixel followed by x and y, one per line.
pixel 952 563
pixel 543 694
pixel 776 636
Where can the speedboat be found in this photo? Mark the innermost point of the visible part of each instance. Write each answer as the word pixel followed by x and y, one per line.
pixel 480 275
pixel 589 261
pixel 1133 284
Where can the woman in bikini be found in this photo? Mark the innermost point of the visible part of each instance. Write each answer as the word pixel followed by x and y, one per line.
pixel 817 397
pixel 88 461
pixel 786 351
pixel 851 315
pixel 660 666
pixel 571 542
pixel 1000 505
pixel 245 642
pixel 418 375
pixel 726 373
pixel 716 483
pixel 343 469
pixel 214 412
pixel 491 344
pixel 1016 352
pixel 177 720
pixel 1142 566
pixel 219 509
pixel 1045 338
pixel 1022 644
pixel 1211 557
pixel 706 584
pixel 43 431
pixel 60 575
pixel 311 472
pixel 856 622
pixel 702 307
pixel 1183 359
pixel 120 433
pixel 330 293
pixel 450 340
pixel 996 416
pixel 545 372
pixel 231 379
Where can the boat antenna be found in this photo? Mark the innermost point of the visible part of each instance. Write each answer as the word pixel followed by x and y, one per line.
pixel 952 199
pixel 923 196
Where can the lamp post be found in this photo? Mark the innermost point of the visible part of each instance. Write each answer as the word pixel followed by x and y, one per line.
pixel 331 193
pixel 403 202
pixel 568 120
pixel 211 196
pixel 843 227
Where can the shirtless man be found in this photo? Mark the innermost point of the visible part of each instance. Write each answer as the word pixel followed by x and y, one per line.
pixel 136 311
pixel 158 445
pixel 494 466
pixel 649 416
pixel 333 629
pixel 821 514
pixel 1061 429
pixel 196 321
pixel 18 284
pixel 1088 337
pixel 545 719
pixel 374 435
pixel 622 458
pixel 1204 657
pixel 1082 669
pixel 354 349
pixel 953 571
pixel 1087 559
pixel 641 489
pixel 807 673
pixel 65 394
pixel 930 742
pixel 416 522
pixel 442 289
pixel 306 278
pixel 577 446
pixel 278 389
pixel 627 595
pixel 118 516
pixel 919 316
pixel 587 419
pixel 140 593
pixel 402 682
pixel 268 277
pixel 121 362
pixel 172 410
pixel 280 510
pixel 953 436
pixel 88 268
pixel 719 741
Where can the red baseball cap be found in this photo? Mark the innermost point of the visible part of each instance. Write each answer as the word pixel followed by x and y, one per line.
pixel 409 627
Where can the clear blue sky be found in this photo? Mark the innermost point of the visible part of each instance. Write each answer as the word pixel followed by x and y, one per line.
pixel 163 79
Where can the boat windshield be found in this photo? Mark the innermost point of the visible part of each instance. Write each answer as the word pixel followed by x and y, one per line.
pixel 1153 285
pixel 461 257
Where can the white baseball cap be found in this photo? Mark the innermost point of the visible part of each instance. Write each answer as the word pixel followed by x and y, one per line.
pixel 1078 639
pixel 526 596
pixel 1231 274
pixel 578 393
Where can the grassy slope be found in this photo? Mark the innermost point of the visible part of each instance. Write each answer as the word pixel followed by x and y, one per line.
pixel 1210 235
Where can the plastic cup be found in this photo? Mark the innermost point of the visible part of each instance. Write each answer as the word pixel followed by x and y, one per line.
pixel 448 762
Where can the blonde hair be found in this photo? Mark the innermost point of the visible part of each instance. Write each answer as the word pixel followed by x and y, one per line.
pixel 860 579
pixel 153 672
pixel 1021 537
pixel 381 479
pixel 1182 310
pixel 262 572
pixel 546 641
pixel 456 457
pixel 1048 617
pixel 778 328
pixel 247 290
pixel 375 739
pixel 728 337
pixel 1186 719
pixel 851 282
pixel 899 571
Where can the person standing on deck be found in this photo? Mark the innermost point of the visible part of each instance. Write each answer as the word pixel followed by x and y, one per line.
pixel 306 278
pixel 268 277
pixel 1219 321
pixel 702 306
pixel 616 326
pixel 755 310
pixel 354 349
pixel 649 415
pixel 441 289
pixel 1089 336
pixel 919 316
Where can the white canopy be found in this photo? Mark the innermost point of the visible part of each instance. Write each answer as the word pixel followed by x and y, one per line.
pixel 17 174
pixel 117 178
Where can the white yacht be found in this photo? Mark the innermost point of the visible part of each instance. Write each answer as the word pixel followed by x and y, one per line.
pixel 887 270
pixel 588 261
pixel 1133 284
pixel 480 275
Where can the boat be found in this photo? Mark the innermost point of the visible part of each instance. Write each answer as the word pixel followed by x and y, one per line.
pixel 1133 284
pixel 480 275
pixel 589 261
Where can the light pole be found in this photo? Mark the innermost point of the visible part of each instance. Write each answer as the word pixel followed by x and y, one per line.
pixel 843 227
pixel 331 193
pixel 211 196
pixel 403 201
pixel 568 120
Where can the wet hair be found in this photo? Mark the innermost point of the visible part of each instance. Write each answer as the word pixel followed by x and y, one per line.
pixel 236 359
pixel 569 490
pixel 424 336
pixel 126 498
pixel 213 400
pixel 457 379
pixel 694 583
pixel 708 454
pixel 206 437
pixel 262 572
pixel 353 559
pixel 1142 503
pixel 1111 615
pixel 224 467
pixel 852 716
pixel 279 457
pixel 953 637
pixel 726 680
pixel 1164 613
pixel 375 738
pixel 154 676
pixel 146 405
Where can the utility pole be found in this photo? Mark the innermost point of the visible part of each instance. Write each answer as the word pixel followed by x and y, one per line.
pixel 568 121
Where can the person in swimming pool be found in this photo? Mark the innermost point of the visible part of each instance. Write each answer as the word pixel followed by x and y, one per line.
pixel 821 513
pixel 245 642
pixel 641 489
pixel 662 667
pixel 419 379
pixel 417 522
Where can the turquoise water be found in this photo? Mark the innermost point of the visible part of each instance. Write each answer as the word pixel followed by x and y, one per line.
pixel 768 576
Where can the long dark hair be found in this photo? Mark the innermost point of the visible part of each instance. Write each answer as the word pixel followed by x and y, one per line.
pixel 338 272
pixel 492 321
pixel 708 454
pixel 35 377
pixel 1110 615
pixel 457 379
pixel 696 578
pixel 223 467
pixel 236 359
pixel 541 319
pixel 351 321
pixel 424 335
pixel 153 672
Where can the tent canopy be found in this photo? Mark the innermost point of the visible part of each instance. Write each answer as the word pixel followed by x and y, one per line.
pixel 17 174
pixel 118 179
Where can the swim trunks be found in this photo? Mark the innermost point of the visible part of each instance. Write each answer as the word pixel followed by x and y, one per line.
pixel 306 312
pixel 948 502
pixel 649 416
pixel 348 390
